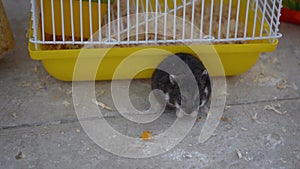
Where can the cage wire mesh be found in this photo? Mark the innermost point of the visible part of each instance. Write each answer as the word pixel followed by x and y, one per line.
pixel 146 22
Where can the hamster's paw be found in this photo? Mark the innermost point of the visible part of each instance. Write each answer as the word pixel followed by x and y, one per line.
pixel 204 109
pixel 194 114
pixel 179 113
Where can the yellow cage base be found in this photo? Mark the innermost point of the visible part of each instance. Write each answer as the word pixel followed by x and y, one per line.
pixel 219 59
pixel 236 59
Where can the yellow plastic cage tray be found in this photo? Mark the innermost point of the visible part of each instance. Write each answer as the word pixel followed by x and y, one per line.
pixel 236 58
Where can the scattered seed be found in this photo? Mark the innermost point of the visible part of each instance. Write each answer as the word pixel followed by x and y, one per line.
pixel 99 93
pixel 187 156
pixel 227 107
pixel 259 76
pixel 248 158
pixel 27 34
pixel 69 92
pixel 272 108
pixel 36 69
pixel 276 105
pixel 43 85
pixel 254 117
pixel 283 129
pixel 239 154
pixel 77 130
pixel 14 115
pixel 245 129
pixel 66 103
pixel 282 84
pixel 25 84
pixel 214 134
pixel 283 161
pixel 20 155
pixel 102 105
pixel 225 119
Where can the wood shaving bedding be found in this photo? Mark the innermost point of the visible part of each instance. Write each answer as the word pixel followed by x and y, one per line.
pixel 102 105
pixel 274 108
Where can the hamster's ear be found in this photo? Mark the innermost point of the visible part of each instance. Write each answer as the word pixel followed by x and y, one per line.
pixel 204 75
pixel 172 78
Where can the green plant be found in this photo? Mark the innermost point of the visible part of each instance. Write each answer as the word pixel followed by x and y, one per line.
pixel 292 4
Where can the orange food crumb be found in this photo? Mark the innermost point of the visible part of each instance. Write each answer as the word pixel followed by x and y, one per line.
pixel 147 135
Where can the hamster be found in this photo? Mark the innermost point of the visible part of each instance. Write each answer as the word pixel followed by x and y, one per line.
pixel 183 98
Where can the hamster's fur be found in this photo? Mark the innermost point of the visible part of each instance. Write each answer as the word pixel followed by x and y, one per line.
pixel 186 99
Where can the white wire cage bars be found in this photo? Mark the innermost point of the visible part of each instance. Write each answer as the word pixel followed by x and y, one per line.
pixel 126 22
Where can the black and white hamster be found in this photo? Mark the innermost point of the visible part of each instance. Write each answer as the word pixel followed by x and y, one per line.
pixel 185 98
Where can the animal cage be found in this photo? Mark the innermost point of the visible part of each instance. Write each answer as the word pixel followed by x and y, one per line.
pixel 238 30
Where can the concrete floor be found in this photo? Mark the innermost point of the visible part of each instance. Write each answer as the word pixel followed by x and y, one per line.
pixel 37 120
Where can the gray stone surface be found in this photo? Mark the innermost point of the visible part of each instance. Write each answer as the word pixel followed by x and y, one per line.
pixel 39 120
